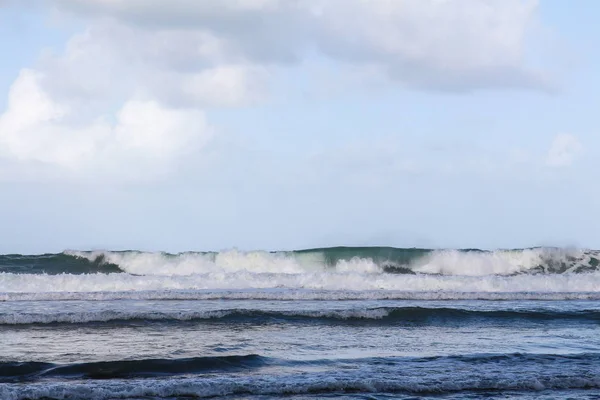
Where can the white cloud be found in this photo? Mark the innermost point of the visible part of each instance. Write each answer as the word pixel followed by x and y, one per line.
pixel 110 61
pixel 564 151
pixel 448 45
pixel 141 142
pixel 224 86
pixel 120 102
pixel 452 44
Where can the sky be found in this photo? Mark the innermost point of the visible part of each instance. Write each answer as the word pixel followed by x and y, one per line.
pixel 285 124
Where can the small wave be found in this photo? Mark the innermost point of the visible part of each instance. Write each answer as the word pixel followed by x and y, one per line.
pixel 418 376
pixel 23 371
pixel 377 315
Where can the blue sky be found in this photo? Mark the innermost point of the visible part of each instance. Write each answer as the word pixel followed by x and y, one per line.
pixel 264 124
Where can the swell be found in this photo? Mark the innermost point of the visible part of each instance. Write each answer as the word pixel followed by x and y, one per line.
pixel 370 260
pixel 27 371
pixel 379 315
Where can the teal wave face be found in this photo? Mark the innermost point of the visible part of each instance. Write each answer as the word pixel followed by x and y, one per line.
pixel 391 258
pixel 54 264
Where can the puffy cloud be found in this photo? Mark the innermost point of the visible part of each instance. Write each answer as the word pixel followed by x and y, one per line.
pixel 120 103
pixel 456 45
pixel 449 44
pixel 110 61
pixel 141 141
pixel 565 149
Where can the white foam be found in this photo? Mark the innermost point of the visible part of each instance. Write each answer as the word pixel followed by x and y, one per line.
pixel 325 281
pixel 452 262
pixel 147 263
pixel 106 315
pixel 499 262
pixel 357 264
pixel 296 295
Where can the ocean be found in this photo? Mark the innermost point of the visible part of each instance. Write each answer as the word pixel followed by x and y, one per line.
pixel 343 323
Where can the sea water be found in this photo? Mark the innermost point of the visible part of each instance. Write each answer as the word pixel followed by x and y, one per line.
pixel 359 323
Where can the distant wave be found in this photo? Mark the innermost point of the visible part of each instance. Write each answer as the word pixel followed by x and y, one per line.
pixel 379 315
pixel 369 260
pixel 61 263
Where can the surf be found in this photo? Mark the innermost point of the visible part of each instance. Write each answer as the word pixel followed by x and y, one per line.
pixel 373 260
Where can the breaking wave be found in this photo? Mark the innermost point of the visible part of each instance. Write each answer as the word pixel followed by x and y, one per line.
pixel 370 260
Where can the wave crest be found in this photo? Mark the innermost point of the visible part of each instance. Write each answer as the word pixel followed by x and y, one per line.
pixel 374 260
pixel 370 262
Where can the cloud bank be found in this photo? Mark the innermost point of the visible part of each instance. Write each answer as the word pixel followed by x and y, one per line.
pixel 131 94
